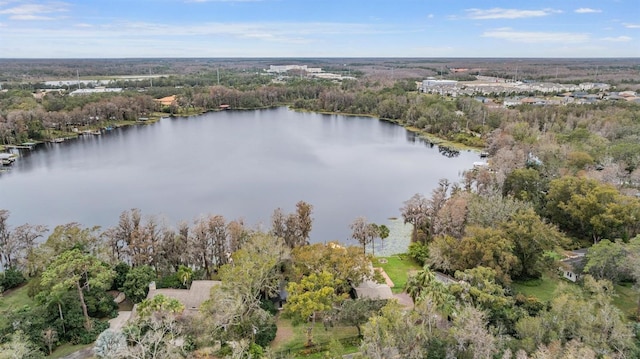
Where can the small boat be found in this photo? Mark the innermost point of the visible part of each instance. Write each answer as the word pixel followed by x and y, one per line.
pixel 58 140
pixel 7 159
pixel 96 132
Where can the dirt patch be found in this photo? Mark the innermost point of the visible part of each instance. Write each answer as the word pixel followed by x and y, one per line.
pixel 284 333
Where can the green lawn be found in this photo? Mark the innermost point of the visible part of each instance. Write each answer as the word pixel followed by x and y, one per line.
pixel 295 344
pixel 67 349
pixel 14 299
pixel 627 299
pixel 398 268
pixel 542 288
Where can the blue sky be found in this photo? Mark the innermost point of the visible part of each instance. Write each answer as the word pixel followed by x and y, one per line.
pixel 318 28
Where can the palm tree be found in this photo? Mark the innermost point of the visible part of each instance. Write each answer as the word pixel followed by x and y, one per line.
pixel 185 274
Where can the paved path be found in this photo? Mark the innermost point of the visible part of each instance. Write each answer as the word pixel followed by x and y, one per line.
pixel 386 277
pixel 118 322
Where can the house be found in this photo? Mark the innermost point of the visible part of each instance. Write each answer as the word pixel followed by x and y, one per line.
pixel 572 264
pixel 167 101
pixel 191 298
pixel 371 290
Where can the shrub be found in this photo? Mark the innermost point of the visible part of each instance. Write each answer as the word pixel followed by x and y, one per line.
pixel 109 344
pixel 419 252
pixel 266 334
pixel 11 278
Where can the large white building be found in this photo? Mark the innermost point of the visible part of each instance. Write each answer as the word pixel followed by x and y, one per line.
pixel 284 68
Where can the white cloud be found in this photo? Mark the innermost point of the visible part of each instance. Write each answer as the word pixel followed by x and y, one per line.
pixel 533 37
pixel 617 39
pixel 34 11
pixel 631 26
pixel 30 17
pixel 587 10
pixel 430 16
pixel 499 13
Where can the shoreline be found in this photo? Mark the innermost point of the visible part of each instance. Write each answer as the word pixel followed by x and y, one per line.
pixel 157 116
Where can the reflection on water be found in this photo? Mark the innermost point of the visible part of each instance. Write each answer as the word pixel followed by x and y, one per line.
pixel 235 163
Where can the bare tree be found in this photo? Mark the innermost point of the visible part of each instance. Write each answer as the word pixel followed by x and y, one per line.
pixel 415 212
pixel 363 231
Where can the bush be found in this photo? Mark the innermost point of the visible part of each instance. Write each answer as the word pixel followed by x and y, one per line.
pixel 121 275
pixel 170 281
pixel 100 304
pixel 269 306
pixel 136 285
pixel 266 334
pixel 419 252
pixel 109 344
pixel 11 278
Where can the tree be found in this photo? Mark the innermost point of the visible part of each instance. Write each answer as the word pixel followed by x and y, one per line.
pixel 363 232
pixel 632 265
pixel 154 337
pixel 314 294
pixel 471 334
pixel 347 264
pixel 423 286
pixel 19 347
pixel 18 244
pixel 525 184
pixel 160 304
pixel 294 228
pixel 50 338
pixel 603 260
pixel 76 269
pixel 478 287
pixel 64 238
pixel 110 345
pixel 531 237
pixel 486 247
pixel 255 273
pixel 136 284
pixel 415 212
pixel 185 274
pixel 356 312
pixel 398 333
pixel 589 209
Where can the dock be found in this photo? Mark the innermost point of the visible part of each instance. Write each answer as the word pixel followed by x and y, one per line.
pixel 24 146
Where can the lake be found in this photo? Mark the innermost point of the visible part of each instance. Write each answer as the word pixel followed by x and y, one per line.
pixel 240 164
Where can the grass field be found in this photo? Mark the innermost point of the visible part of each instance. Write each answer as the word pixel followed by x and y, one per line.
pixel 627 299
pixel 14 299
pixel 398 268
pixel 67 349
pixel 294 344
pixel 542 288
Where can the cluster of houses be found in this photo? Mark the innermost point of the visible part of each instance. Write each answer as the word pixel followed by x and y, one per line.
pixel 493 85
pixel 584 93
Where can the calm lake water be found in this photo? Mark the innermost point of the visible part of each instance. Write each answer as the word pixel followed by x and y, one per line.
pixel 240 164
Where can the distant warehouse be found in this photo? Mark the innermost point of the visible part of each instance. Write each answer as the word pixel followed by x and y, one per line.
pixel 95 90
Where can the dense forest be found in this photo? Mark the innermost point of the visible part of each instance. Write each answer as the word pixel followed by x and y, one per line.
pixel 558 179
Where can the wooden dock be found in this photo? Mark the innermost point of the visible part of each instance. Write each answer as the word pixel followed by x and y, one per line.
pixel 20 147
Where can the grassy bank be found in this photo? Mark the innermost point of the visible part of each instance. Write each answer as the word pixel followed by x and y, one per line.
pixel 13 300
pixel 398 268
pixel 294 344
